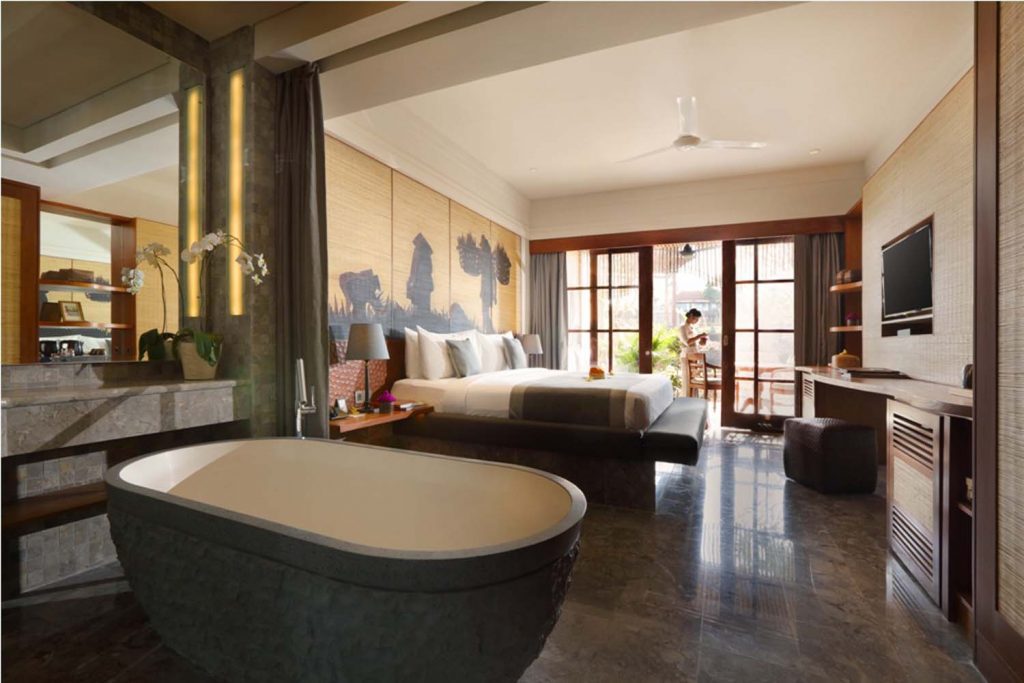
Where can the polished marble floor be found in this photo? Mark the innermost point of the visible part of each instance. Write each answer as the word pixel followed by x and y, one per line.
pixel 739 576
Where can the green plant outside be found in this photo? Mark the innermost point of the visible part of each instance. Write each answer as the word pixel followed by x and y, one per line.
pixel 666 348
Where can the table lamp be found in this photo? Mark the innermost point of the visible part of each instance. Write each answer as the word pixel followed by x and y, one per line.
pixel 531 344
pixel 366 343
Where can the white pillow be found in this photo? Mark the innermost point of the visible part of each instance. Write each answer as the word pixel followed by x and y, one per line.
pixel 492 351
pixel 412 354
pixel 435 363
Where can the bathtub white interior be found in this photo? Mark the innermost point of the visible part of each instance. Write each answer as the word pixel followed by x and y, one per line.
pixel 158 474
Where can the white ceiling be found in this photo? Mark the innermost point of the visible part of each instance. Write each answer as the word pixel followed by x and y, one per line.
pixel 851 79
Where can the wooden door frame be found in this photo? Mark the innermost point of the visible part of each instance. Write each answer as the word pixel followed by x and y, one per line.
pixel 28 322
pixel 645 293
pixel 999 648
pixel 730 418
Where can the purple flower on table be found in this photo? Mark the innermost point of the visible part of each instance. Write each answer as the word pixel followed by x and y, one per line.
pixel 386 397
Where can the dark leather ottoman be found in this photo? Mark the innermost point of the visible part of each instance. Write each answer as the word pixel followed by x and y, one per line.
pixel 830 455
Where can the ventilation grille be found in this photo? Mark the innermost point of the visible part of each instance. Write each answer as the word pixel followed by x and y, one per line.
pixel 809 388
pixel 917 547
pixel 914 440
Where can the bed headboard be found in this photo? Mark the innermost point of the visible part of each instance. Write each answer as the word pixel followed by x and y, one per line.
pixel 396 364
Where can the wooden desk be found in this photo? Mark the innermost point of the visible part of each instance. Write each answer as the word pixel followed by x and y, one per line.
pixel 923 433
pixel 927 396
pixel 343 427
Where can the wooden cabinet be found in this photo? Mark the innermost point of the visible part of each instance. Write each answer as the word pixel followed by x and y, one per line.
pixel 929 515
pixel 914 478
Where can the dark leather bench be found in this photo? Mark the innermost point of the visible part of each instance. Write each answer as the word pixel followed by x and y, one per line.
pixel 678 434
pixel 611 466
pixel 830 455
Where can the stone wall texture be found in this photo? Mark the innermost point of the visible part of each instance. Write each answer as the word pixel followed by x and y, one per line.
pixel 243 617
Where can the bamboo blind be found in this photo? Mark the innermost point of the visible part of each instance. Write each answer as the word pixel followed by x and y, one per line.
pixel 1010 467
pixel 931 173
pixel 11 299
pixel 148 305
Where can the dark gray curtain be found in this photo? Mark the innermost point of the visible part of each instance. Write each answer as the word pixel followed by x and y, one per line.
pixel 301 246
pixel 818 259
pixel 549 306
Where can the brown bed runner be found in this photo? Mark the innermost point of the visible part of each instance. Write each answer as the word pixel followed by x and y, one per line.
pixel 573 400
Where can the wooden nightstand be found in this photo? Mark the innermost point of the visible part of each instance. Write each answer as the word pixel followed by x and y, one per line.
pixel 373 426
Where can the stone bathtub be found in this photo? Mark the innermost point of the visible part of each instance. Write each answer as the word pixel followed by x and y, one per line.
pixel 309 560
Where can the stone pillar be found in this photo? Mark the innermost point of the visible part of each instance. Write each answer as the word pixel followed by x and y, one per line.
pixel 249 337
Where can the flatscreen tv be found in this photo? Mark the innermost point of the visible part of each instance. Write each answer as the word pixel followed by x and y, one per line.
pixel 907 274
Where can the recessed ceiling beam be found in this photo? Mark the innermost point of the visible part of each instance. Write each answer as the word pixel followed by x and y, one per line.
pixel 444 53
pixel 311 31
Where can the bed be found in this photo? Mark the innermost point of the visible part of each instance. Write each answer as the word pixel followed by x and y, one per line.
pixel 624 401
pixel 604 436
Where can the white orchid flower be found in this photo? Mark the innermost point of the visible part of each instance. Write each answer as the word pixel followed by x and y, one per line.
pixel 244 260
pixel 133 278
pixel 189 256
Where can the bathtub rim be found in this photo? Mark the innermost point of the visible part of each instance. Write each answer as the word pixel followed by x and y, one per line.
pixel 572 518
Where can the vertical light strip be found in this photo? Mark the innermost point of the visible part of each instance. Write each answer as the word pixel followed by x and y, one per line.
pixel 236 282
pixel 193 122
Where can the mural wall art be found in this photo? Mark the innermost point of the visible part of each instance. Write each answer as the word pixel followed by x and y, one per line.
pixel 403 255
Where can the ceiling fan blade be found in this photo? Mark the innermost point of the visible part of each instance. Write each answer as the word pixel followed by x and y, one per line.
pixel 687 115
pixel 652 153
pixel 731 144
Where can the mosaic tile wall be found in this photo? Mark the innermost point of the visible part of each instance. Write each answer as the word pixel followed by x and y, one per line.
pixel 37 478
pixel 64 551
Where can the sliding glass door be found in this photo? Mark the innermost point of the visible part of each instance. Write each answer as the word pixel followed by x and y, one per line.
pixel 609 299
pixel 759 376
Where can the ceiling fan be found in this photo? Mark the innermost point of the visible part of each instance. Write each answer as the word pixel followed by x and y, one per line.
pixel 689 139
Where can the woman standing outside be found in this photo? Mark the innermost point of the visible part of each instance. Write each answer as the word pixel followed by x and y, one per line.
pixel 694 340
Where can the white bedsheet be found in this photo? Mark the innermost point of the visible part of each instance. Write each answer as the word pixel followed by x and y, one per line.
pixel 488 394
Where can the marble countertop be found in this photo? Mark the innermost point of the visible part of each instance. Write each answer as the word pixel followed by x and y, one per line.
pixel 14 398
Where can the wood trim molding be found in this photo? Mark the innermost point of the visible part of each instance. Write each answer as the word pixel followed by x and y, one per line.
pixel 733 231
pixel 28 323
pixel 999 648
pixel 78 211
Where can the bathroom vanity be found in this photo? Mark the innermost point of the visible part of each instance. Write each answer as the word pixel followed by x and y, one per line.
pixel 63 425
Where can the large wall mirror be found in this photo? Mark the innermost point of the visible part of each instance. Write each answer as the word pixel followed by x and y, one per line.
pixel 95 123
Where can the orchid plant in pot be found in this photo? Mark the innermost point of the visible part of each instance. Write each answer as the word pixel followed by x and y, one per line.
pixel 155 344
pixel 199 350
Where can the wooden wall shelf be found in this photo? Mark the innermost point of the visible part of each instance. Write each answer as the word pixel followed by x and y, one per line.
pixel 76 285
pixel 52 509
pixel 847 287
pixel 846 328
pixel 95 326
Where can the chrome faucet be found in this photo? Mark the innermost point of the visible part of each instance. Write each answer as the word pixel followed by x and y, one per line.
pixel 304 405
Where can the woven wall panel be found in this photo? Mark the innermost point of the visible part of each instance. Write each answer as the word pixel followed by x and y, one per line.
pixel 358 235
pixel 506 316
pixel 912 491
pixel 421 262
pixel 465 287
pixel 10 312
pixel 1010 593
pixel 932 172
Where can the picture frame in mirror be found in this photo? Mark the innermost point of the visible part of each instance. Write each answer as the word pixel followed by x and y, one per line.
pixel 71 312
